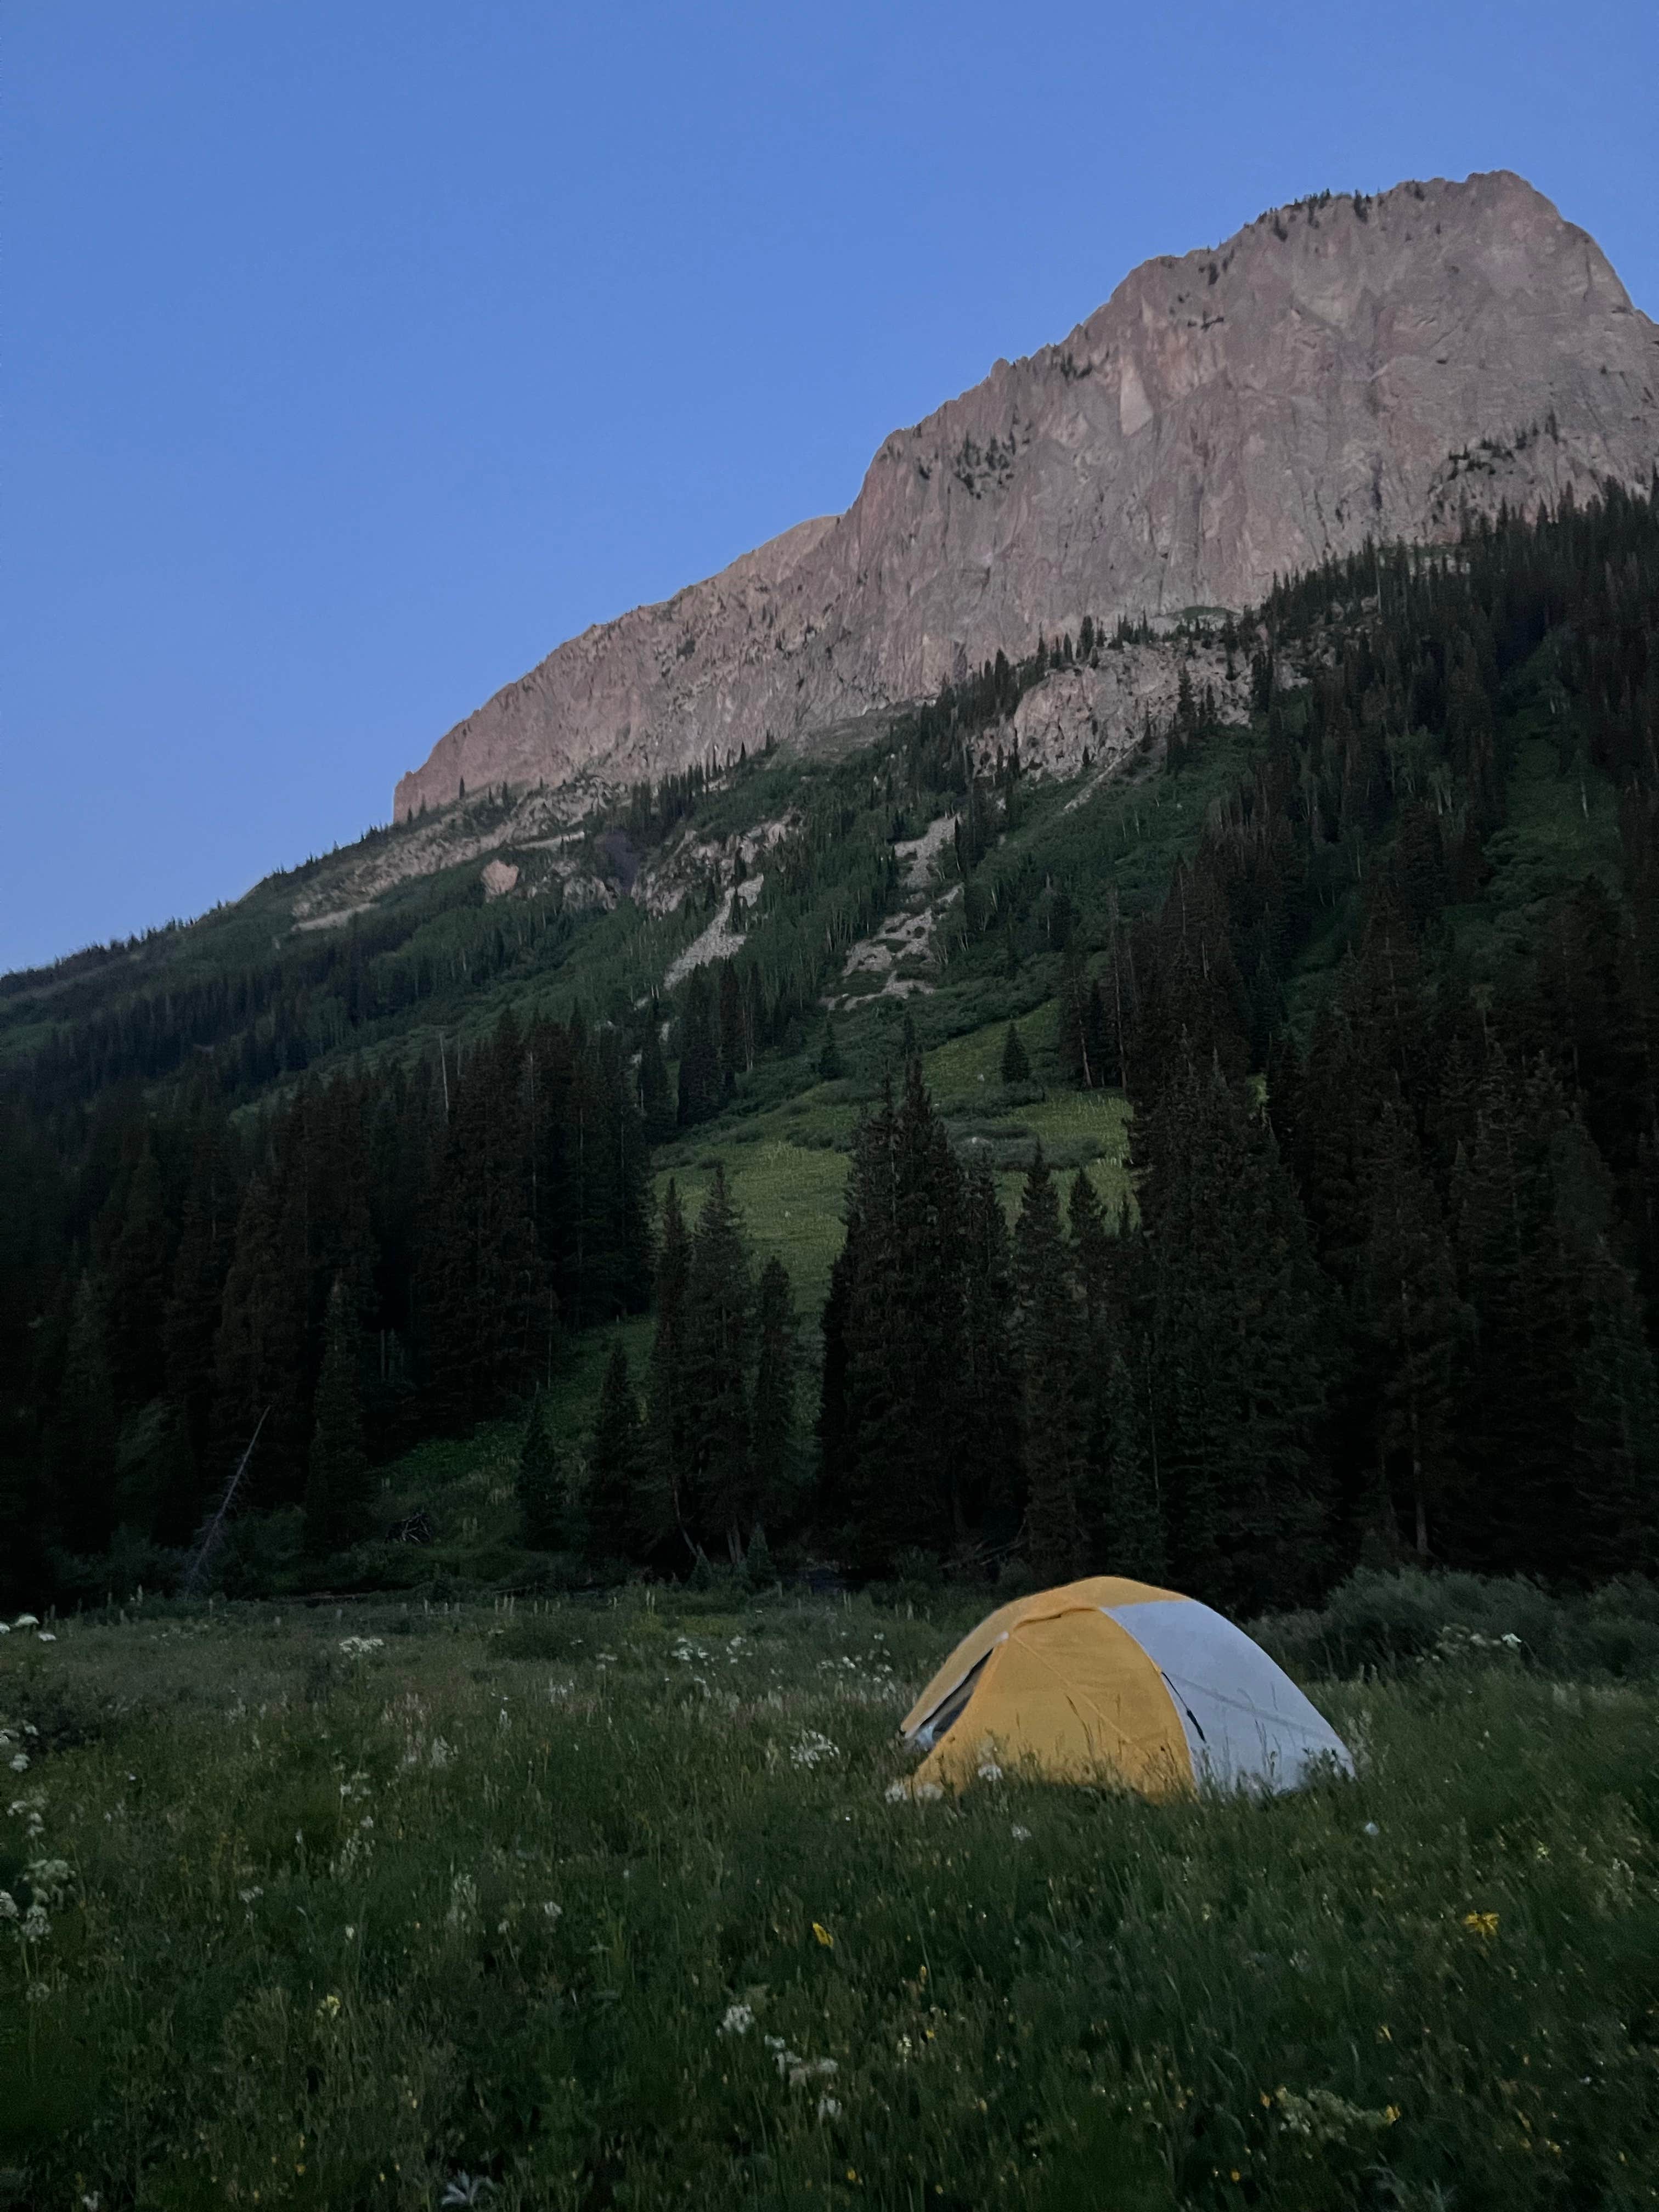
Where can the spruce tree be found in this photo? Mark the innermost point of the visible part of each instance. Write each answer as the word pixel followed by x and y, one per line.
pixel 1239 1325
pixel 902 1413
pixel 546 1508
pixel 830 1062
pixel 656 1099
pixel 733 1056
pixel 1407 1303
pixel 627 1511
pixel 83 1461
pixel 338 1488
pixel 669 1414
pixel 989 1480
pixel 1052 1345
pixel 136 1286
pixel 259 1353
pixel 719 1314
pixel 1131 1539
pixel 487 1309
pixel 772 1409
pixel 700 1059
pixel 1016 1065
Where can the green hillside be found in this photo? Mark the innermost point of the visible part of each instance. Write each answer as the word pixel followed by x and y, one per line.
pixel 1406 914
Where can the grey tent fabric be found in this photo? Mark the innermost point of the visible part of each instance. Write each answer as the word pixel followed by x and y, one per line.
pixel 1247 1724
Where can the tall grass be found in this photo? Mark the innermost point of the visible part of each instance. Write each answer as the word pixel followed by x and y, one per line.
pixel 609 1906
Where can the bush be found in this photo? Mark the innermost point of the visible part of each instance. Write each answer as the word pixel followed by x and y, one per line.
pixel 1380 1622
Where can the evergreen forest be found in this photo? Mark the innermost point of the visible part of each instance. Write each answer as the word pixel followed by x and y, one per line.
pixel 1376 977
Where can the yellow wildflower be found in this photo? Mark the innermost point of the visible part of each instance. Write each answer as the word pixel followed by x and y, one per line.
pixel 1484 1924
pixel 823 1935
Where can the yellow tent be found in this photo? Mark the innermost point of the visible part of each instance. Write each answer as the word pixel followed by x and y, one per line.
pixel 1113 1680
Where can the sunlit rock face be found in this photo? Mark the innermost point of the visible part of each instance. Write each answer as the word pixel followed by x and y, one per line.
pixel 1348 368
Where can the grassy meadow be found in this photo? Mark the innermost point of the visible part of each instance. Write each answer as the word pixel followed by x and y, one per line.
pixel 583 1905
pixel 785 1161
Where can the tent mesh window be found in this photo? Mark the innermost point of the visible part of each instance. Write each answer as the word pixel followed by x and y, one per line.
pixel 943 1717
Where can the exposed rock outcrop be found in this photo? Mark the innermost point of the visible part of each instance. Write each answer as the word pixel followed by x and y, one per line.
pixel 1345 368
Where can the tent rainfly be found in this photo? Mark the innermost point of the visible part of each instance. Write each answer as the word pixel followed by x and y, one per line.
pixel 1113 1680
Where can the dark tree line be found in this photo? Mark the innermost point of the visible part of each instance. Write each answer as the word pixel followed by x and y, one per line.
pixel 701 1467
pixel 1390 1281
pixel 391 1254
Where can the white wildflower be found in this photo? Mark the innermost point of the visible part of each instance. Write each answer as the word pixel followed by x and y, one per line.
pixel 36 1927
pixel 989 1770
pixel 812 1748
pixel 928 1793
pixel 463 1913
pixel 20 1762
pixel 7 1906
pixel 896 1792
pixel 1020 1835
pixel 467 2189
pixel 45 1635
pixel 551 1912
pixel 739 2018
pixel 50 1879
pixel 440 1754
pixel 1371 1828
pixel 26 1620
pixel 828 2108
pixel 804 2070
pixel 359 1647
pixel 251 1896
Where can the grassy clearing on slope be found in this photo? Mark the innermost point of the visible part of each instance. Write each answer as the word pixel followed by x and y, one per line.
pixel 605 1906
pixel 791 1200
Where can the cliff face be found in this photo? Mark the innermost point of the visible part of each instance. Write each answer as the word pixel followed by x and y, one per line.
pixel 1345 368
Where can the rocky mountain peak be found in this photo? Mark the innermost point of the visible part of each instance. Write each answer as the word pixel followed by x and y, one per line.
pixel 1351 366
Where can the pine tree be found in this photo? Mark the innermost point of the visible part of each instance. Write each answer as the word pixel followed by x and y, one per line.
pixel 1239 1331
pixel 488 1311
pixel 830 1062
pixel 191 1316
pixel 670 1409
pixel 541 1482
pixel 338 1490
pixel 903 1476
pixel 733 1056
pixel 1052 1345
pixel 83 1485
pixel 259 1353
pixel 719 1312
pixel 627 1511
pixel 758 1571
pixel 136 1286
pixel 1406 1299
pixel 772 1409
pixel 989 1479
pixel 656 1100
pixel 1016 1065
pixel 1132 1534
pixel 700 1059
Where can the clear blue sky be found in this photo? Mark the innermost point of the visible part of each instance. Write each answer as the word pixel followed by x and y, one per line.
pixel 357 351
